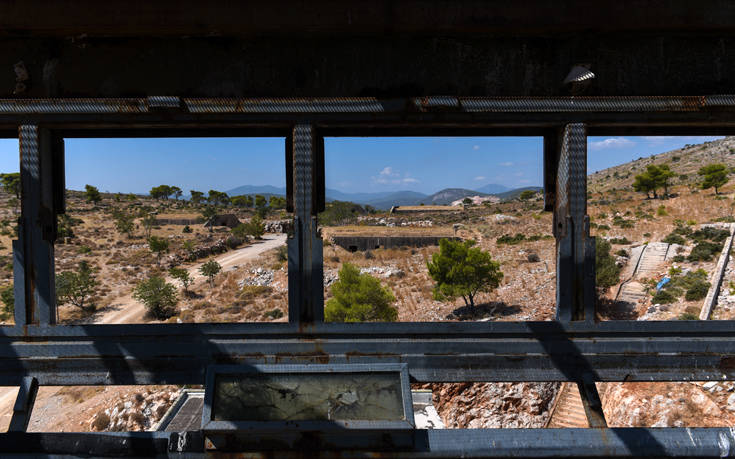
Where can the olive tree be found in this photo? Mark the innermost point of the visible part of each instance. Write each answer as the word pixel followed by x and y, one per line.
pixel 210 269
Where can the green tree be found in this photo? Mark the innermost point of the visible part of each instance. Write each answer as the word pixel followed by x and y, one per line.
pixel 11 183
pixel 218 198
pixel 358 297
pixel 196 197
pixel 210 269
pixel 189 247
pixel 241 201
pixel 255 227
pixel 526 195
pixel 461 270
pixel 158 296
pixel 277 202
pixel 124 222
pixel 161 192
pixel 176 192
pixel 714 176
pixel 76 287
pixel 92 194
pixel 654 178
pixel 241 231
pixel 260 201
pixel 182 275
pixel 158 245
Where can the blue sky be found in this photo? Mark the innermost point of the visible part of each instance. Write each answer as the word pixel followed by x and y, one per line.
pixel 424 164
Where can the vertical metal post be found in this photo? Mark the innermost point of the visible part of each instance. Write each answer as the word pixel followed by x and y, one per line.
pixel 24 405
pixel 592 404
pixel 574 247
pixel 305 276
pixel 40 203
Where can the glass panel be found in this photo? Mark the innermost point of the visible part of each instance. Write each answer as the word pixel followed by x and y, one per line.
pixel 308 397
pixel 391 201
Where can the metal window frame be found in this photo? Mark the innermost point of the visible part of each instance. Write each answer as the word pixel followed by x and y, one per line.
pixel 572 348
pixel 210 425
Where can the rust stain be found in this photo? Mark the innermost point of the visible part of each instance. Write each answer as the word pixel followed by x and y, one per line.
pixel 727 363
pixel 693 102
pixel 315 357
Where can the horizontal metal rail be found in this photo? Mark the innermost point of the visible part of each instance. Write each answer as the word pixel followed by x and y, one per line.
pixel 615 442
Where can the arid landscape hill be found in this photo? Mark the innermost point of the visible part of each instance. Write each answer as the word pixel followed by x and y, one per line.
pixel 684 161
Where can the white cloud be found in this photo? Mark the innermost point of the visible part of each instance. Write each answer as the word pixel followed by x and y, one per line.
pixel 506 164
pixel 475 147
pixel 410 180
pixel 387 171
pixel 613 142
pixel 480 178
pixel 519 174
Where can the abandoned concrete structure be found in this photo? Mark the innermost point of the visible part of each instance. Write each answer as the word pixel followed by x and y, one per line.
pixel 354 243
pixel 228 220
pixel 562 70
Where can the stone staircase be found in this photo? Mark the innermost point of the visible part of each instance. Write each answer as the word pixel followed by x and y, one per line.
pixel 654 254
pixel 568 411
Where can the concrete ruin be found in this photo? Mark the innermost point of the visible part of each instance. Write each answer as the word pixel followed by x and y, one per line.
pixel 363 243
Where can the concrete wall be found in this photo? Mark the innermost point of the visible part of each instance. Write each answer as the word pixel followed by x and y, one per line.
pixel 362 243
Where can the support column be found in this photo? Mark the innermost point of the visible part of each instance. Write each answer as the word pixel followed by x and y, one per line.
pixel 23 405
pixel 305 271
pixel 575 249
pixel 42 199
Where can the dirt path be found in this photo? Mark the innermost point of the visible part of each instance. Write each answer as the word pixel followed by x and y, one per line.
pixel 127 310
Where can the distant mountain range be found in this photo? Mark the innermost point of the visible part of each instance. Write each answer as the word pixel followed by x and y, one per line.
pixel 387 199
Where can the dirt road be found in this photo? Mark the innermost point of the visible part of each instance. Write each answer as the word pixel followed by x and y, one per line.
pixel 127 310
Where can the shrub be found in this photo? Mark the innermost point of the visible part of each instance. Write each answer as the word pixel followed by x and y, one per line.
pixel 688 316
pixel 274 314
pixel 704 251
pixel 710 233
pixel 368 255
pixel 697 291
pixel 158 296
pixel 510 240
pixel 359 297
pixel 7 296
pixel 533 258
pixel 607 271
pixel 619 241
pixel 661 211
pixel 84 250
pixel 603 227
pixel 182 275
pixel 282 253
pixel 679 258
pixel 187 229
pixel 622 253
pixel 663 297
pixel 674 238
pixel 101 421
pixel 250 292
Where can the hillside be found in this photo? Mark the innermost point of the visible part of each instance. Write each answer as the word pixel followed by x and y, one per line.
pixel 683 161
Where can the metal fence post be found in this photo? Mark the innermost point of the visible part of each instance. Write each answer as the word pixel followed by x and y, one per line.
pixel 575 280
pixel 305 271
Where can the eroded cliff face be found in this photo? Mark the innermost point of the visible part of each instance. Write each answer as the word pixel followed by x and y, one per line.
pixel 644 404
pixel 493 405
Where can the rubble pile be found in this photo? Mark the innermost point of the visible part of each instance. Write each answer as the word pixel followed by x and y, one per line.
pixel 134 412
pixel 494 405
pixel 260 276
pixel 669 404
